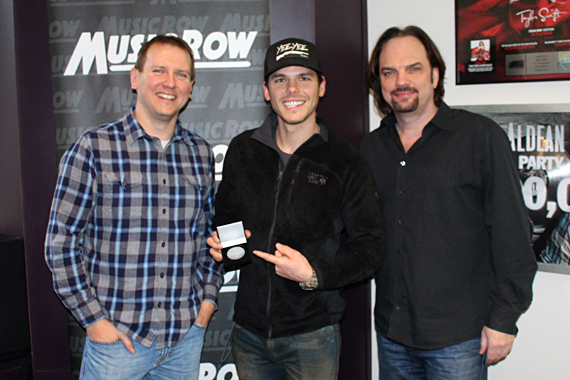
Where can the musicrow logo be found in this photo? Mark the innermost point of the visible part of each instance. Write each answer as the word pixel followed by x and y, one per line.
pixel 121 52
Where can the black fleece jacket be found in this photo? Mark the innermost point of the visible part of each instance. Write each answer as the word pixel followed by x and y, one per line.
pixel 325 187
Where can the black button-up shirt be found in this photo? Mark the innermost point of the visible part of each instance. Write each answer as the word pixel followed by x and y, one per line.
pixel 457 232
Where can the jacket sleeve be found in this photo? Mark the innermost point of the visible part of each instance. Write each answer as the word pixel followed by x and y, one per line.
pixel 508 224
pixel 364 251
pixel 69 215
pixel 227 208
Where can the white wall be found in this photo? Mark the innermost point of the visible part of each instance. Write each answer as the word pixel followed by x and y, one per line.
pixel 542 348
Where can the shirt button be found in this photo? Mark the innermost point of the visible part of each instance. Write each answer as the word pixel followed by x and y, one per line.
pixel 403 163
pixel 163 244
pixel 399 221
pixel 400 192
pixel 159 304
pixel 164 181
pixel 125 183
pixel 162 275
pixel 397 308
pixel 164 211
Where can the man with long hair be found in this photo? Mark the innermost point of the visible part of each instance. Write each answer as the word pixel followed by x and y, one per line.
pixel 459 266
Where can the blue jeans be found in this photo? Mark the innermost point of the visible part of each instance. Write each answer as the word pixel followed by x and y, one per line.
pixel 461 361
pixel 112 361
pixel 310 356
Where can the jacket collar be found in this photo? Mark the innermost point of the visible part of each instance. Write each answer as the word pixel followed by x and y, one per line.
pixel 266 134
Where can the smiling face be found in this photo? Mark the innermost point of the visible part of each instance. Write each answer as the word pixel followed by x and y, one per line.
pixel 294 93
pixel 407 78
pixel 163 88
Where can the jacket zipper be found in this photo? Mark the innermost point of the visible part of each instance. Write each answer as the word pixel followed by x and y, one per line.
pixel 297 169
pixel 268 265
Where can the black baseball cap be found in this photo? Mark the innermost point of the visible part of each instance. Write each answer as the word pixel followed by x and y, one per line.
pixel 291 52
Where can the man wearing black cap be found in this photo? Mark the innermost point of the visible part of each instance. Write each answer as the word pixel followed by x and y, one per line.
pixel 296 186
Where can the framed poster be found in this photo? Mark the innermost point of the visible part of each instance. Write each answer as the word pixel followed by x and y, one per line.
pixel 540 141
pixel 512 40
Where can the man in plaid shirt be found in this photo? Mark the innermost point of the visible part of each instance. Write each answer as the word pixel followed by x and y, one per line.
pixel 126 241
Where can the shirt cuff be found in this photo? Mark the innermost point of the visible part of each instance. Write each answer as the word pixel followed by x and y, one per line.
pixel 211 293
pixel 88 312
pixel 503 320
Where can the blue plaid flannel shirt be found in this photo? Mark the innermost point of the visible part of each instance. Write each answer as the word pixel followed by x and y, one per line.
pixel 127 233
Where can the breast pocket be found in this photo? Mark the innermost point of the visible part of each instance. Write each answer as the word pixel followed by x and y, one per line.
pixel 122 199
pixel 195 195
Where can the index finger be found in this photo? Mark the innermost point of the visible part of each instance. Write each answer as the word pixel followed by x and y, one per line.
pixel 266 256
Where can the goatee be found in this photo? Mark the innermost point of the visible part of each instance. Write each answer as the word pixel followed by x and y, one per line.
pixel 408 107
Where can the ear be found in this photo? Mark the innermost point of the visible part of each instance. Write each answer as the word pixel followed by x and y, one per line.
pixel 191 88
pixel 134 79
pixel 434 77
pixel 266 92
pixel 322 87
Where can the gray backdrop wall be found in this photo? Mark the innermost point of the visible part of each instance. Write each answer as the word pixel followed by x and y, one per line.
pixel 28 164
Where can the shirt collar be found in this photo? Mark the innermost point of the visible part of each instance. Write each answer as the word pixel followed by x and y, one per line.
pixel 442 118
pixel 134 131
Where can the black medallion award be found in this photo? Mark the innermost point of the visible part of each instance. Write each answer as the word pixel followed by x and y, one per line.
pixel 234 245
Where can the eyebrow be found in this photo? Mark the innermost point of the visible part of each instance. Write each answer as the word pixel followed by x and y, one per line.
pixel 307 74
pixel 301 74
pixel 406 67
pixel 165 67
